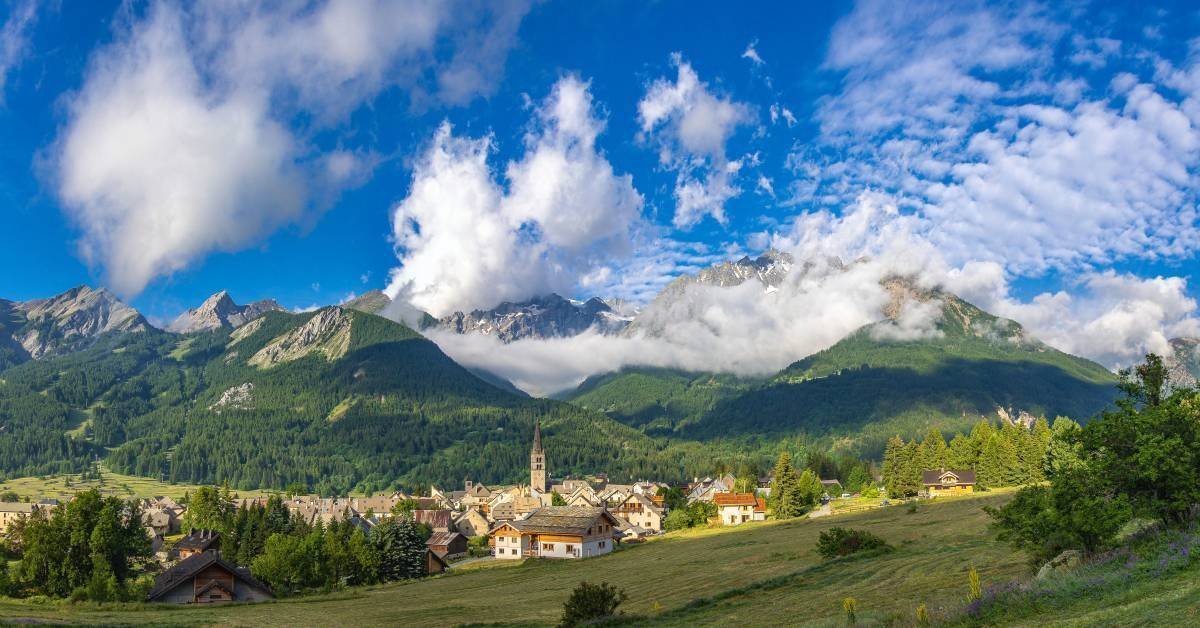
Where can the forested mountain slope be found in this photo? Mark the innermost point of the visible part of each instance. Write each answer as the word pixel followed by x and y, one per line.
pixel 334 399
pixel 890 377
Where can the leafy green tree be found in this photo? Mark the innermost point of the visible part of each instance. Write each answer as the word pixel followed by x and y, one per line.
pixel 677 519
pixel 859 478
pixel 557 500
pixel 1063 451
pixel 89 543
pixel 210 508
pixel 807 492
pixel 1142 457
pixel 591 602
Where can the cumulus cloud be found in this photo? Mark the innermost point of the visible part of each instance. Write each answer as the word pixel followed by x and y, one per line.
pixel 156 173
pixel 690 125
pixel 464 241
pixel 193 131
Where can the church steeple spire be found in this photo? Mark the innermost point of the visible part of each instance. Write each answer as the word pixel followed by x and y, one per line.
pixel 537 461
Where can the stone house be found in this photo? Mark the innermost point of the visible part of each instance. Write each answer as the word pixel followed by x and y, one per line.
pixel 471 524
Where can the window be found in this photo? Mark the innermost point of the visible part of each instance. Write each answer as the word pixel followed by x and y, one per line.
pixel 546 547
pixel 570 548
pixel 601 544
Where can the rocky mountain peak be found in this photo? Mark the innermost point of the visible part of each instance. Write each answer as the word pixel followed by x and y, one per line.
pixel 220 310
pixel 70 320
pixel 546 316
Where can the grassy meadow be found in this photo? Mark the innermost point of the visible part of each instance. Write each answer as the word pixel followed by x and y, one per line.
pixel 761 574
pixel 126 486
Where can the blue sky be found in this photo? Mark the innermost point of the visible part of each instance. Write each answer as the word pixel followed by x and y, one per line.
pixel 1039 159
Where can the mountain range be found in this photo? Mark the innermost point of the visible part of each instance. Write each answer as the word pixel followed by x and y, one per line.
pixel 340 398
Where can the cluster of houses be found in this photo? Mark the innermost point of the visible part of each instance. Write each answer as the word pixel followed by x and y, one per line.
pixel 569 519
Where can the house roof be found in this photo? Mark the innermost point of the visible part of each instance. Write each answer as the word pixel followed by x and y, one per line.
pixel 760 505
pixel 734 499
pixel 24 507
pixel 438 539
pixel 830 483
pixel 187 568
pixel 201 539
pixel 563 520
pixel 934 476
pixel 436 519
pixel 646 503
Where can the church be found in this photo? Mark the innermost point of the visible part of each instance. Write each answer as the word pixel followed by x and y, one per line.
pixel 537 463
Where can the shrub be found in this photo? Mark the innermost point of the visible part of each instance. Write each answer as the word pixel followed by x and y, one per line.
pixel 843 542
pixel 589 602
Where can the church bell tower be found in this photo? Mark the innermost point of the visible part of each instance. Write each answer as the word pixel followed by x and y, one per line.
pixel 537 461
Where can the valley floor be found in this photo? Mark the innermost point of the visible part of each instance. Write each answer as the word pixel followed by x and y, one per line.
pixel 764 574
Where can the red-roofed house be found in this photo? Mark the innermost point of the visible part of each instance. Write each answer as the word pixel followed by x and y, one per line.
pixel 735 508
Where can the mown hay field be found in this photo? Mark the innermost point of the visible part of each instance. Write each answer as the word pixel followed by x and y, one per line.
pixel 769 574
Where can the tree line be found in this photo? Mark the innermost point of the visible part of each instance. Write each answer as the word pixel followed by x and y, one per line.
pixel 1139 460
pixel 1010 455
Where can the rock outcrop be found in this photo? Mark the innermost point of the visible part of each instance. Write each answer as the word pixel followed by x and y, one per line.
pixel 218 311
pixel 327 332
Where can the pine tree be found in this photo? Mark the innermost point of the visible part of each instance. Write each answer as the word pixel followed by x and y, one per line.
pixel 401 550
pixel 961 454
pixel 910 475
pixel 893 466
pixel 934 452
pixel 783 486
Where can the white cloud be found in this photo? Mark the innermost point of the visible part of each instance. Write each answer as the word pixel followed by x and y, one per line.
pixel 751 53
pixel 157 173
pixel 464 242
pixel 959 111
pixel 178 143
pixel 691 127
pixel 14 38
pixel 779 112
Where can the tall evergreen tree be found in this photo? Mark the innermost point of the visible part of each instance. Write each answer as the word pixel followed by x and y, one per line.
pixel 401 550
pixel 783 486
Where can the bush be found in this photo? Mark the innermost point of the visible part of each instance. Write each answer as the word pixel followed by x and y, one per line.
pixel 589 602
pixel 843 542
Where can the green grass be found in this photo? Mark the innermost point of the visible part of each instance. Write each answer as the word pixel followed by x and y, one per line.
pixel 934 549
pixel 55 486
pixel 765 574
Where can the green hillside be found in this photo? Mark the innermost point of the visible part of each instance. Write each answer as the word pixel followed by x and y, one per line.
pixel 656 400
pixel 334 400
pixel 882 380
pixel 759 574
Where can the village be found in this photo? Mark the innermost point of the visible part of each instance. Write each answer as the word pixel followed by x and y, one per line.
pixel 566 519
